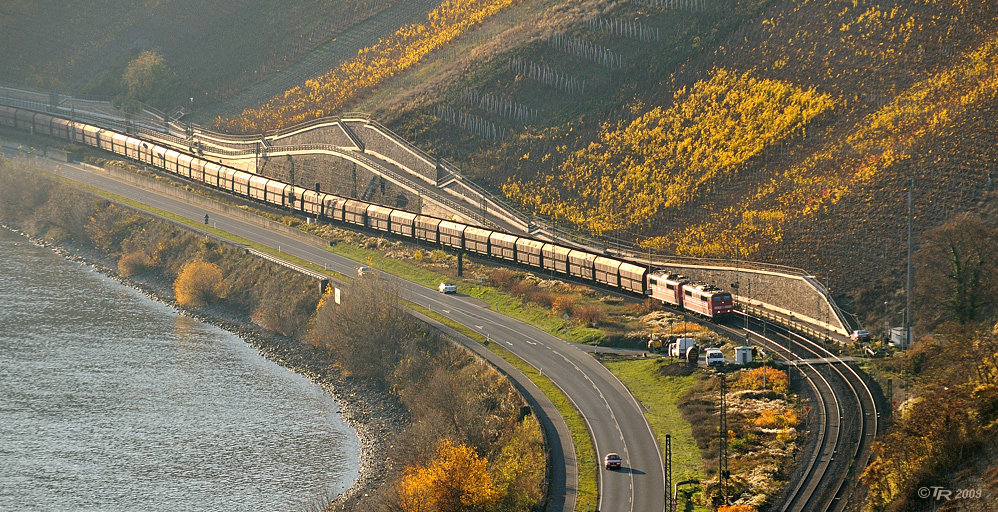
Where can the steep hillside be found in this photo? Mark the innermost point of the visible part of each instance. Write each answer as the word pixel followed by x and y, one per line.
pixel 886 92
pixel 779 130
pixel 216 48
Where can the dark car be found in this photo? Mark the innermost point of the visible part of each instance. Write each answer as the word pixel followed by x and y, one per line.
pixel 612 461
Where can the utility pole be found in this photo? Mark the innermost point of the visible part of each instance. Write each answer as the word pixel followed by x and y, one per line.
pixel 669 498
pixel 908 283
pixel 722 454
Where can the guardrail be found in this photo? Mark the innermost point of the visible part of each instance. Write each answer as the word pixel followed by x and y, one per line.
pixel 318 276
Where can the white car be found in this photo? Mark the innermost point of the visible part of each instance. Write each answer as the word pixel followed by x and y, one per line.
pixel 364 271
pixel 447 288
pixel 714 356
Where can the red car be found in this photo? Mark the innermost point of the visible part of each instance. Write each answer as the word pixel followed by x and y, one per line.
pixel 612 461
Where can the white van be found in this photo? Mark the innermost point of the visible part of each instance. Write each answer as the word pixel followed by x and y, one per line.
pixel 714 357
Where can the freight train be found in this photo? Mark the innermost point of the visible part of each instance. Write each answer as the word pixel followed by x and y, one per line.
pixel 672 289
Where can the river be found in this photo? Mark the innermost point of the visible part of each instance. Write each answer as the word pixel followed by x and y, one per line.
pixel 112 401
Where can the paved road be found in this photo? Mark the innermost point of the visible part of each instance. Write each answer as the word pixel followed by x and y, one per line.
pixel 614 417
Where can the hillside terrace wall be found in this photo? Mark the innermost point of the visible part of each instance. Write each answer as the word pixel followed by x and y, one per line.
pixel 329 133
pixel 785 294
pixel 386 147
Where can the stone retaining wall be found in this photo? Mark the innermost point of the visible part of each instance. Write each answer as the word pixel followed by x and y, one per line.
pixel 784 294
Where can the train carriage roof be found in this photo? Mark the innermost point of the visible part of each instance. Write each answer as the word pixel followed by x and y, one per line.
pixel 480 233
pixel 536 245
pixel 504 238
pixel 428 221
pixel 402 214
pixel 456 226
pixel 381 212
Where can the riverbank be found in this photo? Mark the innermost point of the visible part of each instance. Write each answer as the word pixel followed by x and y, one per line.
pixel 373 415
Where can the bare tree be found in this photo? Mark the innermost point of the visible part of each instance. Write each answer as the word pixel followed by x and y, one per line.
pixel 955 272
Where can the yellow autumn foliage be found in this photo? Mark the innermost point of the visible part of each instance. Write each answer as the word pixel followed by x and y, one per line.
pixel 667 157
pixel 775 418
pixel 881 139
pixel 456 479
pixel 326 94
pixel 198 284
pixel 763 378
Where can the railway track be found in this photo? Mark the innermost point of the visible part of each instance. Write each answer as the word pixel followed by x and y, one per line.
pixel 845 420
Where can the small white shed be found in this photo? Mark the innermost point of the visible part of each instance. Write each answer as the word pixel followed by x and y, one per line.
pixel 743 355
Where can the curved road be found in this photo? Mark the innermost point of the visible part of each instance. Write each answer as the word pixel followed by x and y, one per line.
pixel 615 419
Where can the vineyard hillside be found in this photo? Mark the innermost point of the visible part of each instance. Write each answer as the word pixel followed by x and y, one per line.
pixel 787 131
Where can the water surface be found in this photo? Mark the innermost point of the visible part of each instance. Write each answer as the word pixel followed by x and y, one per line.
pixel 112 401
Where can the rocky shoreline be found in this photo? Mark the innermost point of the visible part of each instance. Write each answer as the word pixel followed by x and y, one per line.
pixel 374 415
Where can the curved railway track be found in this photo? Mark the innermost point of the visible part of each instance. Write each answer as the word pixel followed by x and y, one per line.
pixel 846 416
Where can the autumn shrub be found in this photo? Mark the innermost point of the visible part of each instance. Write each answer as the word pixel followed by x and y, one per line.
pixel 198 284
pixel 776 418
pixel 522 288
pixel 438 255
pixel 515 469
pixel 590 314
pixel 285 303
pixel 63 216
pixel 687 328
pixel 456 479
pixel 542 298
pixel 641 308
pixel 503 278
pixel 135 263
pixel 417 255
pixel 368 332
pixel 563 305
pixel 23 190
pixel 762 378
pixel 736 508
pixel 109 226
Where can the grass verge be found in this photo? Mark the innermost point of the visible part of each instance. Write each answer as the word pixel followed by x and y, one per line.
pixel 659 395
pixel 500 301
pixel 194 224
pixel 585 454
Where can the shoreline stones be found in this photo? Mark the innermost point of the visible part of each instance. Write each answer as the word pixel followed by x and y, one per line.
pixel 373 415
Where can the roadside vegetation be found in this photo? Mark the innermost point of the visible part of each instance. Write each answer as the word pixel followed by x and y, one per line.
pixel 464 444
pixel 682 401
pixel 943 417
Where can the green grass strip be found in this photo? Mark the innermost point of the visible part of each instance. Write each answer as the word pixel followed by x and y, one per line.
pixel 500 301
pixel 586 497
pixel 659 395
pixel 195 224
